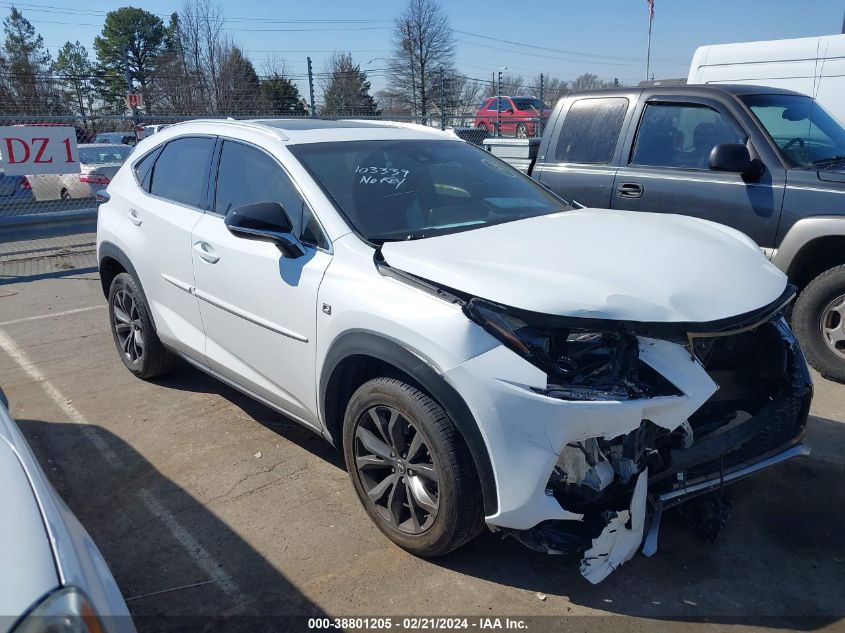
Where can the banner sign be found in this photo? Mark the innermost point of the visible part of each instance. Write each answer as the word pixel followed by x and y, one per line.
pixel 38 149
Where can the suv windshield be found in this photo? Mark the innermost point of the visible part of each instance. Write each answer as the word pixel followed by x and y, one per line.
pixel 806 135
pixel 528 103
pixel 411 189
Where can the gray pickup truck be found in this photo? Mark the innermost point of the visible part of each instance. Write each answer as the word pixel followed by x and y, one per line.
pixel 766 161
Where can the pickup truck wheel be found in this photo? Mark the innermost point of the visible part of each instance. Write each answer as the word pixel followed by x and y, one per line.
pixel 411 469
pixel 819 323
pixel 521 131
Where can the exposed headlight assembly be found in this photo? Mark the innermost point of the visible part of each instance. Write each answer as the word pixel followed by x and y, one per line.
pixel 580 364
pixel 65 610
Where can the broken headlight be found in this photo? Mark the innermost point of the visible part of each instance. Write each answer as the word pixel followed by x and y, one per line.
pixel 580 364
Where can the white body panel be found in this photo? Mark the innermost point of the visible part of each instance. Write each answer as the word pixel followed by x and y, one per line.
pixel 601 264
pixel 259 312
pixel 162 230
pixel 27 570
pixel 814 66
pixel 42 544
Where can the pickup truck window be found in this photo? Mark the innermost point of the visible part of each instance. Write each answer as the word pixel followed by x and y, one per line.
pixel 591 130
pixel 681 135
pixel 806 135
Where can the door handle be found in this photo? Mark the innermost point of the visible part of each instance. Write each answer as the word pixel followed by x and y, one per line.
pixel 204 250
pixel 134 218
pixel 630 190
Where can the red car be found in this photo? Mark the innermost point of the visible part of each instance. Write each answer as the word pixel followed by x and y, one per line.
pixel 517 116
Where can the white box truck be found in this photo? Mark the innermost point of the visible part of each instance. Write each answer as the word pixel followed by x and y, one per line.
pixel 814 66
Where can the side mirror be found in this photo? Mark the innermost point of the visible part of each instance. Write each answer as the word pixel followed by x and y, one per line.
pixel 265 221
pixel 733 157
pixel 509 111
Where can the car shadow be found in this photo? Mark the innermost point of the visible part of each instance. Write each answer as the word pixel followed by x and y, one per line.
pixel 179 566
pixel 777 564
pixel 188 378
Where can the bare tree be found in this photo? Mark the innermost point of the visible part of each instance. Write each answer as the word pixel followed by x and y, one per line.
pixel 511 85
pixel 553 88
pixel 589 81
pixel 422 45
pixel 204 45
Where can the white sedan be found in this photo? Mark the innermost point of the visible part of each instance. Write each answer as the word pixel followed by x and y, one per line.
pixel 98 163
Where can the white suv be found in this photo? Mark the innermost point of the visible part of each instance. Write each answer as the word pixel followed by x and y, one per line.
pixel 480 351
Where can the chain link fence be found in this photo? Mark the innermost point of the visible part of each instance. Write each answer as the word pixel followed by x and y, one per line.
pixel 106 141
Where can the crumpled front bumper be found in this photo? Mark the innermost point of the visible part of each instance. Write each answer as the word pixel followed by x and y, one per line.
pixel 526 433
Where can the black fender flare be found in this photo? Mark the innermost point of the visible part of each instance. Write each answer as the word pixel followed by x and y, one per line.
pixel 366 343
pixel 109 249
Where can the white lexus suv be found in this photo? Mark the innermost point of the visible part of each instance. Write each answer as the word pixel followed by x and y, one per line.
pixel 480 351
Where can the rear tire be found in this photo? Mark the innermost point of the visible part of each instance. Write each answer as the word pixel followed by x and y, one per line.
pixel 411 468
pixel 64 195
pixel 521 131
pixel 132 330
pixel 819 323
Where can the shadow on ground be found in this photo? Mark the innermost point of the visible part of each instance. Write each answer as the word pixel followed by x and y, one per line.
pixel 153 559
pixel 779 563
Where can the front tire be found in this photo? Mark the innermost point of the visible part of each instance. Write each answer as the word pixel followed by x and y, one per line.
pixel 819 323
pixel 411 469
pixel 132 329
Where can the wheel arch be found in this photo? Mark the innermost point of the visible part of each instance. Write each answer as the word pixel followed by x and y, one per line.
pixel 810 247
pixel 358 356
pixel 113 261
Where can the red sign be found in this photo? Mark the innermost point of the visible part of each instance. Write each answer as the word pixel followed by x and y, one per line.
pixel 133 100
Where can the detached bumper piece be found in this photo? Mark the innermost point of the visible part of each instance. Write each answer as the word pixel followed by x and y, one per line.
pixel 621 485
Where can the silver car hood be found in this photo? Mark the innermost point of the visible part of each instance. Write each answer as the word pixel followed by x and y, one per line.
pixel 27 567
pixel 598 263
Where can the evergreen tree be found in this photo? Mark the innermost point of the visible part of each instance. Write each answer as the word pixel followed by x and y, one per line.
pixel 238 84
pixel 75 71
pixel 143 35
pixel 280 96
pixel 347 91
pixel 26 67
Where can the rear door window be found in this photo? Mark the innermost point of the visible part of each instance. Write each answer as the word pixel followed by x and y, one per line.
pixel 181 172
pixel 591 131
pixel 681 135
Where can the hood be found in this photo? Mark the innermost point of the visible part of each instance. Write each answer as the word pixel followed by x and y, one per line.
pixel 597 263
pixel 27 568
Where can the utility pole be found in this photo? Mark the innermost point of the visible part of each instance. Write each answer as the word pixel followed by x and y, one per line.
pixel 498 103
pixel 541 88
pixel 442 101
pixel 311 89
pixel 648 47
pixel 128 76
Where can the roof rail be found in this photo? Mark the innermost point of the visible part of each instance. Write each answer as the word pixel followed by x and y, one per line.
pixel 274 132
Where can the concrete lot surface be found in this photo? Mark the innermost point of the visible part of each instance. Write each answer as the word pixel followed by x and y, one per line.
pixel 206 503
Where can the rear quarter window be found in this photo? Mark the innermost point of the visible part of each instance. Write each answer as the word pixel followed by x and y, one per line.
pixel 591 130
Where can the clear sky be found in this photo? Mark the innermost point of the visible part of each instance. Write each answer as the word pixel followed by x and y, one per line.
pixel 604 37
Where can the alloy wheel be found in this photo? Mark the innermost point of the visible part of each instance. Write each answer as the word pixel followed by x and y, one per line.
pixel 128 326
pixel 396 469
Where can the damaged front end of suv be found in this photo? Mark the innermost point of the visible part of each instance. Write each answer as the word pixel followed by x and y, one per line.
pixel 678 410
